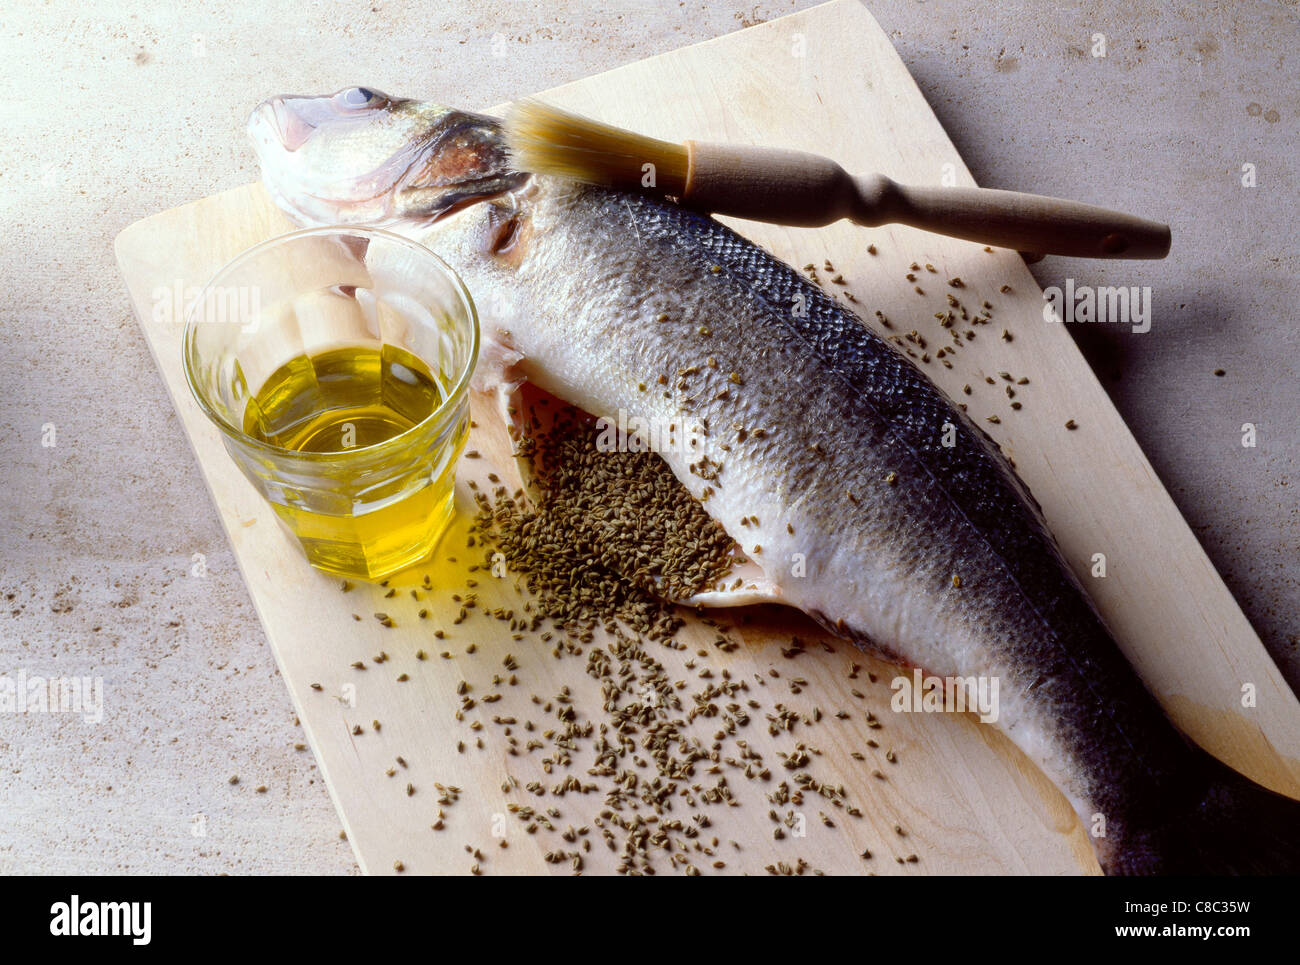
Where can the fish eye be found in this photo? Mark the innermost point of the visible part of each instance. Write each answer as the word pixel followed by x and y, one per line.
pixel 354 98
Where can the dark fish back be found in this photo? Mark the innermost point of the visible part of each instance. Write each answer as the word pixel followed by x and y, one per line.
pixel 1114 719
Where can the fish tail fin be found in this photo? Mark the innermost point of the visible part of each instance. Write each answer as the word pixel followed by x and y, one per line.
pixel 1229 826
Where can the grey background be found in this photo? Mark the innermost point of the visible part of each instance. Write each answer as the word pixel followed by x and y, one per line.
pixel 115 110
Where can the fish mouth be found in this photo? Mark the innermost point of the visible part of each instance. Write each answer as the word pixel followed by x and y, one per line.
pixel 453 160
pixel 290 126
pixel 287 122
pixel 264 129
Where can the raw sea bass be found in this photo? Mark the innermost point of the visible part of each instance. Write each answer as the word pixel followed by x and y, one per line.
pixel 821 436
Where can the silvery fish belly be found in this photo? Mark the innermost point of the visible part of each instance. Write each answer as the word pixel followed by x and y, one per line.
pixel 817 446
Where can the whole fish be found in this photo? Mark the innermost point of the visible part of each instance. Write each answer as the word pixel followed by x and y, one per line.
pixel 818 443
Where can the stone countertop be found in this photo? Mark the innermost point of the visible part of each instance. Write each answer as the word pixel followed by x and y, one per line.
pixel 117 110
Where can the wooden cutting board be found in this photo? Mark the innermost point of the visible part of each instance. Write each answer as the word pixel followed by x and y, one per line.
pixel 827 80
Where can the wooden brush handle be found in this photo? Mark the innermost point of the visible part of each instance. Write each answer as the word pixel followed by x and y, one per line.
pixel 794 188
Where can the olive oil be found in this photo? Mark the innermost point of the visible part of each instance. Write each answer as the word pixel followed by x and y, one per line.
pixel 387 499
pixel 341 399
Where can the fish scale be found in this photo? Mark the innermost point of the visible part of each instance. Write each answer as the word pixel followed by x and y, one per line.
pixel 1084 667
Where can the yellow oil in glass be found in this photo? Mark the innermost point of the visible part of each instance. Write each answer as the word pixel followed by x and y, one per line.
pixel 381 514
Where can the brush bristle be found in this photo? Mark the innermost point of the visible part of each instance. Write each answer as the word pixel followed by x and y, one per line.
pixel 544 140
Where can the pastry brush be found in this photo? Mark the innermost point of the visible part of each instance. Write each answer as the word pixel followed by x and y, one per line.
pixel 797 188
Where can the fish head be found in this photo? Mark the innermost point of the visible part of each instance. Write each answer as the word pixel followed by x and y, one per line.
pixel 359 156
